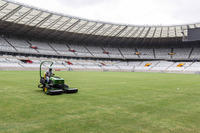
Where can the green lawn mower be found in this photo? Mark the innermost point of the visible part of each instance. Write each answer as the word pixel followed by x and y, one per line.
pixel 52 84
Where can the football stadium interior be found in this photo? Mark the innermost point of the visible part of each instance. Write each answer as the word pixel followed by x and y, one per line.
pixel 106 62
pixel 29 35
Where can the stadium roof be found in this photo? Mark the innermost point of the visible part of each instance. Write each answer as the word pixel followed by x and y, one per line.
pixel 30 20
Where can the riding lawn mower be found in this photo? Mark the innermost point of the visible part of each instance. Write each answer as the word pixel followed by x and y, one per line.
pixel 55 85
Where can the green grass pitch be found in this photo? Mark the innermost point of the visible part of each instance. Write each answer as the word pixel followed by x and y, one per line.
pixel 107 102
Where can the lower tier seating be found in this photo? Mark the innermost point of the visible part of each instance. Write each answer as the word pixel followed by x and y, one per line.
pixel 33 63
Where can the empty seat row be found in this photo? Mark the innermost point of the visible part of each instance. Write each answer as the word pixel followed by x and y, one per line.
pixel 85 50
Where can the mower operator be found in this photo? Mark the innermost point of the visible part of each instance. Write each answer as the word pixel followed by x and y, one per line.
pixel 48 74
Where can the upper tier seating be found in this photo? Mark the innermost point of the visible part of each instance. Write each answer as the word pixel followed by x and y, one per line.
pixel 62 49
pixel 181 53
pixel 129 53
pixel 162 53
pixel 81 51
pixel 195 54
pixel 146 53
pixel 113 52
pixel 43 48
pixel 5 46
pixel 97 51
pixel 10 44
pixel 21 45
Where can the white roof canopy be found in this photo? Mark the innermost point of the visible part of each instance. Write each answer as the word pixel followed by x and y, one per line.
pixel 33 17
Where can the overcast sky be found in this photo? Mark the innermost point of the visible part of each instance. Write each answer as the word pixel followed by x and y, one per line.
pixel 135 12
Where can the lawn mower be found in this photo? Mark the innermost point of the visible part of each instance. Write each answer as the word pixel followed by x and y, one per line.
pixel 53 85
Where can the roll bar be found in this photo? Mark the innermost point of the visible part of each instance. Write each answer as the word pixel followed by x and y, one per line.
pixel 42 64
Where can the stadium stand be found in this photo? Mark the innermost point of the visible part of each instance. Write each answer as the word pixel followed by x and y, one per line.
pixel 29 35
pixel 62 49
pixel 21 45
pixel 16 63
pixel 181 53
pixel 162 53
pixel 5 46
pixel 146 53
pixel 81 51
pixel 129 53
pixel 195 53
pixel 97 51
pixel 113 52
pixel 43 47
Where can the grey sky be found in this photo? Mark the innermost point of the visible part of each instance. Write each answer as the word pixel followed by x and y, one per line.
pixel 139 12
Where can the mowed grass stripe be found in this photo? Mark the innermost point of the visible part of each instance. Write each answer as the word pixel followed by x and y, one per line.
pixel 107 102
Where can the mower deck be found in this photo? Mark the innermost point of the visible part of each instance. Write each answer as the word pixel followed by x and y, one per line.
pixel 67 91
pixel 55 92
pixel 71 90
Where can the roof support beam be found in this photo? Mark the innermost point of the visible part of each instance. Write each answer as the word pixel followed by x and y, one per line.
pixel 101 26
pixel 72 35
pixel 29 22
pixel 130 38
pixel 3 6
pixel 43 21
pixel 91 34
pixel 132 35
pixel 110 35
pixel 82 26
pixel 34 18
pixel 175 31
pixel 161 32
pixel 147 32
pixel 69 28
pixel 114 31
pixel 72 26
pixel 117 35
pixel 40 23
pixel 5 17
pixel 106 30
pixel 89 29
pixel 19 18
pixel 125 37
pixel 121 31
pixel 129 31
pixel 137 37
pixel 52 24
pixel 152 38
pixel 53 33
pixel 63 25
pixel 23 16
pixel 102 33
pixel 144 39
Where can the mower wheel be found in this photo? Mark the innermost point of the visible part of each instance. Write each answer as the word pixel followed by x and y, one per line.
pixel 45 89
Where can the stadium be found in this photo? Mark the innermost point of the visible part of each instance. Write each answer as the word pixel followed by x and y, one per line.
pixel 130 78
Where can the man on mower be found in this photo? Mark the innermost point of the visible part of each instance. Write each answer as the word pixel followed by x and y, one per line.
pixel 48 74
